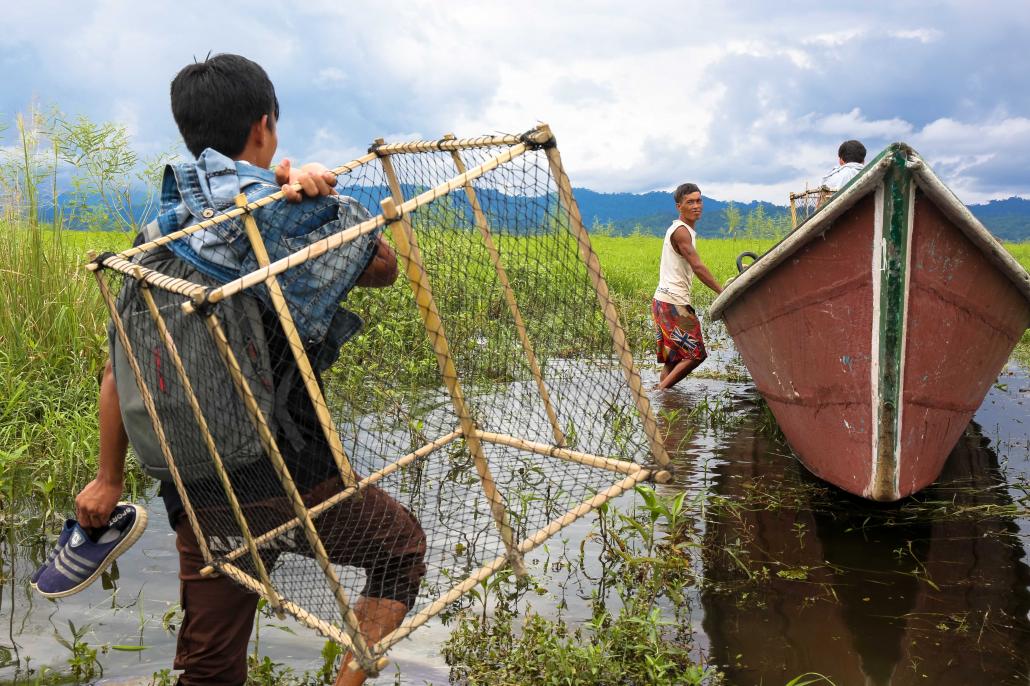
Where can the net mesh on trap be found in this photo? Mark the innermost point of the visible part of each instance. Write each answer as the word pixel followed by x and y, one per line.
pixel 806 203
pixel 485 404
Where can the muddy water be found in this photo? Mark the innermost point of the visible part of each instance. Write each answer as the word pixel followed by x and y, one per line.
pixel 795 576
pixel 800 577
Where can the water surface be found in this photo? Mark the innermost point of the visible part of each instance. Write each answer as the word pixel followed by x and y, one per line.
pixel 795 576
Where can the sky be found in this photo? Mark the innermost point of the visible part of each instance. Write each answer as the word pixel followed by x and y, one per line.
pixel 748 99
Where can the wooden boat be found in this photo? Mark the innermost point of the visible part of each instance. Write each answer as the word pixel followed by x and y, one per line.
pixel 875 329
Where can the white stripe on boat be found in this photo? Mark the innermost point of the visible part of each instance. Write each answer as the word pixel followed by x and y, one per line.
pixel 879 246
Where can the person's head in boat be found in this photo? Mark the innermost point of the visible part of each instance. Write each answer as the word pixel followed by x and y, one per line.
pixel 688 202
pixel 851 151
pixel 227 103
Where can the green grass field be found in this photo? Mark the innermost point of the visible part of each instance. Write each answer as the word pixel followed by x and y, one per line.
pixel 53 349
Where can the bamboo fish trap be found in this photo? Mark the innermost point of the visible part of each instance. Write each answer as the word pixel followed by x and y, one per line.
pixel 806 203
pixel 496 399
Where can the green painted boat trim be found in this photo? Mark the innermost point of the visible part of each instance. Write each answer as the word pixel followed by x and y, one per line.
pixel 894 266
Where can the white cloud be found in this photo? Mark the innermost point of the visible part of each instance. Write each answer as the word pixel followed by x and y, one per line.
pixel 833 39
pixel 743 100
pixel 854 125
pixel 921 35
pixel 330 77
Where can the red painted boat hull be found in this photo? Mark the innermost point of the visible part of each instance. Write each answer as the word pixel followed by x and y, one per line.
pixel 875 338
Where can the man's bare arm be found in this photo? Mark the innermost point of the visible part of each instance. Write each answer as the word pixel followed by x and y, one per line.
pixel 95 502
pixel 382 270
pixel 682 243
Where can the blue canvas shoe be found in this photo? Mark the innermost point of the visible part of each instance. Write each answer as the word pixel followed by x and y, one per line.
pixel 66 533
pixel 83 558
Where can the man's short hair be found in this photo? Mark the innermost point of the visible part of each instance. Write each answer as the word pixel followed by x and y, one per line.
pixel 215 102
pixel 684 189
pixel 851 151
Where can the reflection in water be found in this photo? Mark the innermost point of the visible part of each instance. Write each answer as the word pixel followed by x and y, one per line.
pixel 801 577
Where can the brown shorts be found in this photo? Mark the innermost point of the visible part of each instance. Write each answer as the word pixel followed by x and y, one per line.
pixel 373 532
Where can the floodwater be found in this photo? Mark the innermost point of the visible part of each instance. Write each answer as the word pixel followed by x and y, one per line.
pixel 795 576
pixel 801 577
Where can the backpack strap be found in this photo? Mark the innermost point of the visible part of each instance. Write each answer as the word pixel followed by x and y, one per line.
pixel 150 232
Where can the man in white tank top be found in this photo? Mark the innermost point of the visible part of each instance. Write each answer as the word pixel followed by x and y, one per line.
pixel 680 345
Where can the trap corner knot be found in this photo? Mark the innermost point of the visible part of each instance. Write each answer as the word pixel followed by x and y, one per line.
pixel 531 141
pixel 100 259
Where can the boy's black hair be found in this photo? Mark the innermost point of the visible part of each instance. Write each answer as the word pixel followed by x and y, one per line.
pixel 851 151
pixel 215 102
pixel 684 189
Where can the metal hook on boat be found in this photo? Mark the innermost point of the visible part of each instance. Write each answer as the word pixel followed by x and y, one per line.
pixel 740 261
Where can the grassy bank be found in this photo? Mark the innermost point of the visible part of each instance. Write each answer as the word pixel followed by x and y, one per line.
pixel 53 346
pixel 51 352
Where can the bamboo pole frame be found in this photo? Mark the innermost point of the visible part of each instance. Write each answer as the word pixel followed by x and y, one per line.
pixel 300 355
pixel 407 246
pixel 395 212
pixel 509 297
pixel 212 449
pixel 536 136
pixel 527 545
pixel 821 193
pixel 303 616
pixel 321 507
pixel 593 265
pixel 148 404
pixel 618 466
pixel 350 622
pixel 329 242
pixel 149 276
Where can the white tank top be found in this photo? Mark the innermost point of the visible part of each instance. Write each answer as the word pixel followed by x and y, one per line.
pixel 675 274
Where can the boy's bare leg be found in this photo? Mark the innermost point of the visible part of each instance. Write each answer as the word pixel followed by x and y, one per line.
pixel 377 618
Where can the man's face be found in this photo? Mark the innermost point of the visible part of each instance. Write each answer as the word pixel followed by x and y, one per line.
pixel 690 206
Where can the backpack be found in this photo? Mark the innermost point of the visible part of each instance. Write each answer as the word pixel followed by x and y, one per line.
pixel 228 421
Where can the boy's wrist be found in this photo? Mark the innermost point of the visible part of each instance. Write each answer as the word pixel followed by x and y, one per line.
pixel 112 480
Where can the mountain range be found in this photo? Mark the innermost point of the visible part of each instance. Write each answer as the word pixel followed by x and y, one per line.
pixel 622 214
pixel 651 213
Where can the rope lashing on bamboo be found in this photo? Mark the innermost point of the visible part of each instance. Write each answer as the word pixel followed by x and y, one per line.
pixel 532 137
pixel 149 276
pixel 536 141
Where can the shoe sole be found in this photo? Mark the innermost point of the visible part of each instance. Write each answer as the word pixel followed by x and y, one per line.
pixel 137 530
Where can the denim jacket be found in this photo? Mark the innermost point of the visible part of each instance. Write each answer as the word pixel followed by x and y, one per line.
pixel 193 192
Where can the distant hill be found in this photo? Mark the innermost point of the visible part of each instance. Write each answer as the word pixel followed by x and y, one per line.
pixel 1009 220
pixel 651 213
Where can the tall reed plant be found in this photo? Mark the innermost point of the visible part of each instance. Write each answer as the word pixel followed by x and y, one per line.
pixel 52 350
